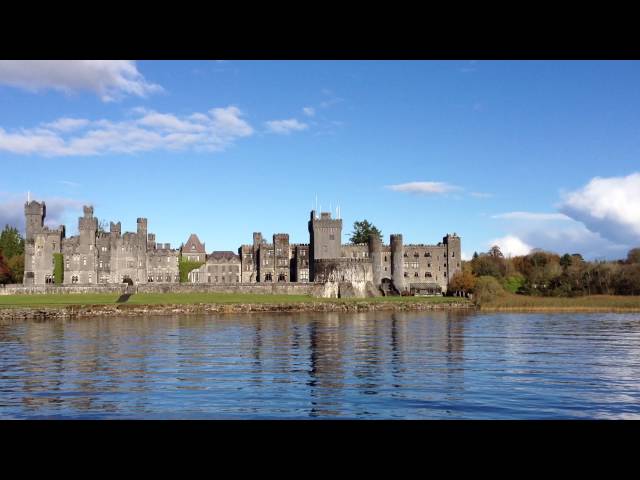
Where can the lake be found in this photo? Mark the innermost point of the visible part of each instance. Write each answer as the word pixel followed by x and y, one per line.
pixel 426 365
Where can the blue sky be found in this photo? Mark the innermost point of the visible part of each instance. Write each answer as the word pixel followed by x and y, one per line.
pixel 527 154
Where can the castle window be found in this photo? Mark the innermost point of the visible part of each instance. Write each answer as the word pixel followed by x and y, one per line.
pixel 416 274
pixel 332 237
pixel 453 254
pixel 84 260
pixel 405 254
pixel 445 274
pixel 416 254
pixel 427 274
pixel 427 254
pixel 150 279
pixel 406 275
pixel 385 258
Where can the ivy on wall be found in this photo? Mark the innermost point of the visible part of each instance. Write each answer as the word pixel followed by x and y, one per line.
pixel 185 266
pixel 58 269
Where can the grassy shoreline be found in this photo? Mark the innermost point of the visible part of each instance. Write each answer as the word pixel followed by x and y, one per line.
pixel 149 299
pixel 591 303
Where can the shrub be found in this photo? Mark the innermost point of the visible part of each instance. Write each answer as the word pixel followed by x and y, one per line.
pixel 487 289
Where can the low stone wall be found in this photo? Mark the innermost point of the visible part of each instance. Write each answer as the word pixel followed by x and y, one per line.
pixel 84 311
pixel 121 288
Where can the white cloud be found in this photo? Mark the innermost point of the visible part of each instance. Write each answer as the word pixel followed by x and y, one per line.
pixel 511 246
pixel 465 256
pixel 285 126
pixel 608 206
pixel 529 216
pixel 66 124
pixel 109 79
pixel 423 187
pixel 309 111
pixel 146 131
pixel 12 210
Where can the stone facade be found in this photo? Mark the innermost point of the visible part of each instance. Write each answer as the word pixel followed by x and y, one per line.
pixel 94 256
pixel 220 268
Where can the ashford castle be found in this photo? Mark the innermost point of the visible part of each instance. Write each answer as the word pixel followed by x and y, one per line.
pixel 97 256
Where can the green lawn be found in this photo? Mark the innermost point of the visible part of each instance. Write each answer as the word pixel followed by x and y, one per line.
pixel 191 298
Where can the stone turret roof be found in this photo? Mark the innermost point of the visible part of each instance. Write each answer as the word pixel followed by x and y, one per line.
pixel 193 245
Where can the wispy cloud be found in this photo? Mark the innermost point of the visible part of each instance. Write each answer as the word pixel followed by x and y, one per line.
pixel 69 183
pixel 330 98
pixel 148 130
pixel 424 187
pixel 309 111
pixel 285 127
pixel 481 194
pixel 109 79
pixel 469 67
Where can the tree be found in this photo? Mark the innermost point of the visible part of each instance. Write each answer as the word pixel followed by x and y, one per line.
pixel 16 268
pixel 5 273
pixel 463 282
pixel 103 226
pixel 486 290
pixel 633 256
pixel 11 242
pixel 495 252
pixel 362 230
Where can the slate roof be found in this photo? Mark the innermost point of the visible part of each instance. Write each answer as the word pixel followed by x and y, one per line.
pixel 193 245
pixel 223 255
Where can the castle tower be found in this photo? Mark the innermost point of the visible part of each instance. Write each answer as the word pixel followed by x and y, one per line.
pixel 397 262
pixel 325 238
pixel 454 254
pixel 142 233
pixel 282 257
pixel 375 254
pixel 34 213
pixel 115 229
pixel 87 226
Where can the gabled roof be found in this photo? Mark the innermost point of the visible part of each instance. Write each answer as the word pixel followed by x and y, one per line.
pixel 223 255
pixel 193 245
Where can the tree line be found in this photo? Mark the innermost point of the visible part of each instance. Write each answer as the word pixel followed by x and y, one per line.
pixel 549 274
pixel 11 255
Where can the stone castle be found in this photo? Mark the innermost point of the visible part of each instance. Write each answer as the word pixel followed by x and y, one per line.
pixel 96 256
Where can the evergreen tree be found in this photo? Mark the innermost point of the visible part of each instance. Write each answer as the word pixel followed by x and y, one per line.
pixel 362 230
pixel 11 242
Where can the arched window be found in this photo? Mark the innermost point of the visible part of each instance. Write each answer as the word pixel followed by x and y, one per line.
pixel 416 274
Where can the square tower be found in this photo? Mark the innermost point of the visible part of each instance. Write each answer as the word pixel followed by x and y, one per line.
pixel 325 238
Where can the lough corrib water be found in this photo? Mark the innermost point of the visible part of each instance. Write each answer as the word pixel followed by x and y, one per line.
pixel 423 365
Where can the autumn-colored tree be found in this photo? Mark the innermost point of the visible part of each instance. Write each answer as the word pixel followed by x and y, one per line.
pixel 5 273
pixel 462 282
pixel 633 256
